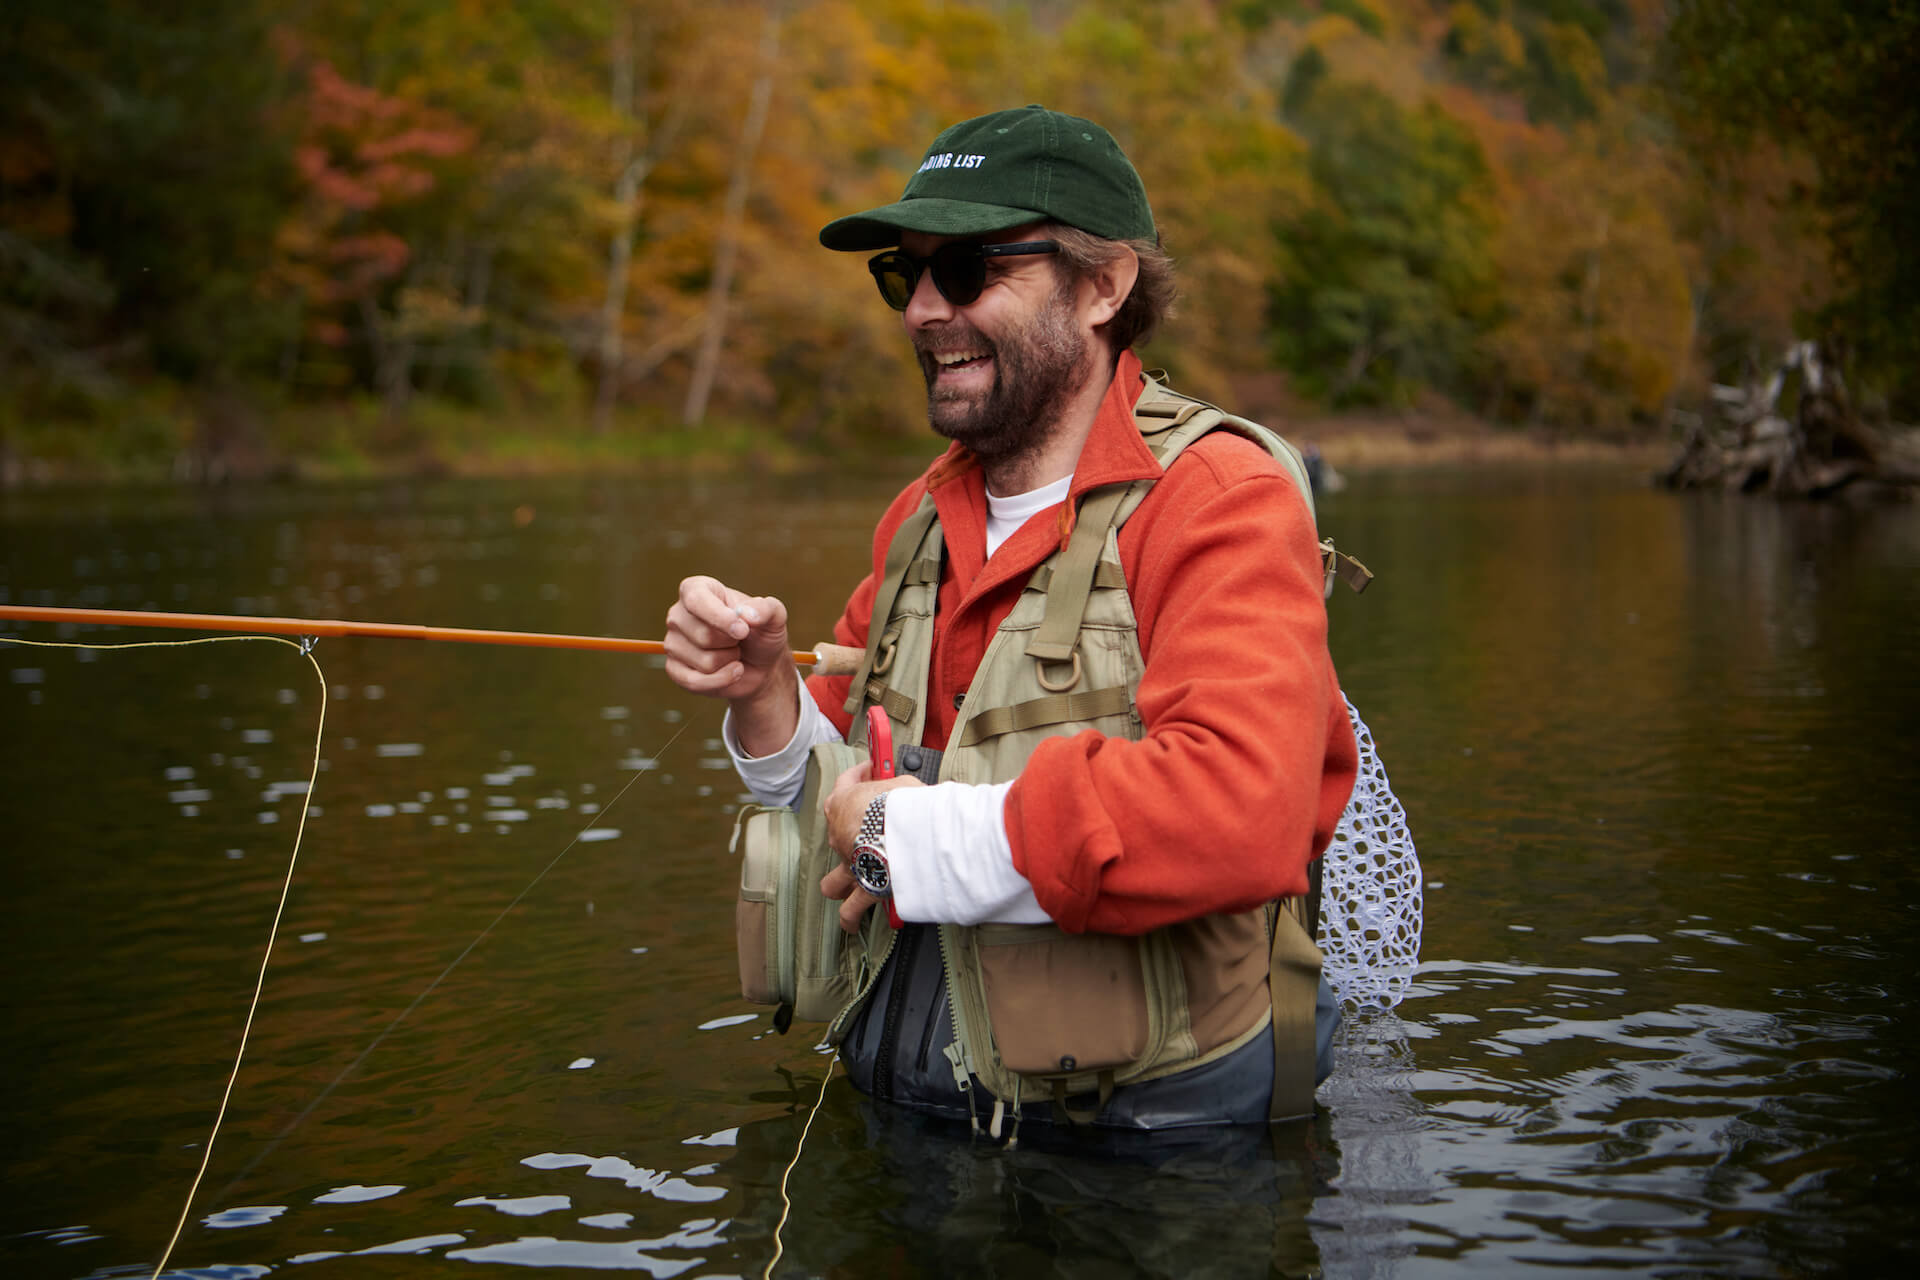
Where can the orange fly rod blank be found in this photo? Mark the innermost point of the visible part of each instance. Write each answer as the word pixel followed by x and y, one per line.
pixel 826 659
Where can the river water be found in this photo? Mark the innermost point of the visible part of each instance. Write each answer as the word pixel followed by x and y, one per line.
pixel 1657 754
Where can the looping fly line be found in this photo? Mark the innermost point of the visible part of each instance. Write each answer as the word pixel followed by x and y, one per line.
pixel 305 649
pixel 304 645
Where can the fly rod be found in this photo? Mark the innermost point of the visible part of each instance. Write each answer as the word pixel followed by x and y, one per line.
pixel 825 659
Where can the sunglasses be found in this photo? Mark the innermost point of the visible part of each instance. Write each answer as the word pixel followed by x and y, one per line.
pixel 959 269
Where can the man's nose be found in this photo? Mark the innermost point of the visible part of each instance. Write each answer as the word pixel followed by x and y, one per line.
pixel 927 305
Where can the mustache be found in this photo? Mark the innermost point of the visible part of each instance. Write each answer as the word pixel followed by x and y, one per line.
pixel 927 345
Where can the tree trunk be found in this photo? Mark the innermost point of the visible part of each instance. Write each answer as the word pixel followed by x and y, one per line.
pixel 727 248
pixel 1364 353
pixel 626 193
pixel 393 349
pixel 1821 450
pixel 613 309
pixel 633 162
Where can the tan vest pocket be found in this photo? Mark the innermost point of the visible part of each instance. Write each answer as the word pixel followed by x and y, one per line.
pixel 767 841
pixel 788 936
pixel 1063 1002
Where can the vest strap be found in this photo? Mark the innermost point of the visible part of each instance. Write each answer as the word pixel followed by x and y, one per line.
pixel 1065 1113
pixel 1073 577
pixel 1108 574
pixel 898 706
pixel 1188 419
pixel 900 559
pixel 1293 981
pixel 1340 565
pixel 922 571
pixel 1037 713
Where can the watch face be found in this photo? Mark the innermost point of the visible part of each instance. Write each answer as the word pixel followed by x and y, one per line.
pixel 870 872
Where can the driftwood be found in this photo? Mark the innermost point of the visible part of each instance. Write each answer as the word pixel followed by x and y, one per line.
pixel 1820 448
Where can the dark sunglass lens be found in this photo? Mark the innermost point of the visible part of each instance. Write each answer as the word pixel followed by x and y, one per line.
pixel 959 272
pixel 896 274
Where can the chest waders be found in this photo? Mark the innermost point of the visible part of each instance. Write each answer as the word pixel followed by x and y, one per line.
pixel 1038 1011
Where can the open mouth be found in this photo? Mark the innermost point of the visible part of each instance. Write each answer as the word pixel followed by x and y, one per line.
pixel 956 361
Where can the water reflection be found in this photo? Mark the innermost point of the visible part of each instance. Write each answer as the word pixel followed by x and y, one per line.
pixel 878 1191
pixel 1377 1124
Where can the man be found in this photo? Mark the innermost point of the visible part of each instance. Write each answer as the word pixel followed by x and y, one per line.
pixel 1123 662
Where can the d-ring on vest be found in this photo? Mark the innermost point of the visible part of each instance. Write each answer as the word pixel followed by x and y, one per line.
pixel 1039 1011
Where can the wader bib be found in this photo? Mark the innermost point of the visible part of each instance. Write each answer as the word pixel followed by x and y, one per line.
pixel 1037 1011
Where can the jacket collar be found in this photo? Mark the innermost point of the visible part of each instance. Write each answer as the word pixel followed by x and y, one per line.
pixel 1114 452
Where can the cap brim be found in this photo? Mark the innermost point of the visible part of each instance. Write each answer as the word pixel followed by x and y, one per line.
pixel 880 228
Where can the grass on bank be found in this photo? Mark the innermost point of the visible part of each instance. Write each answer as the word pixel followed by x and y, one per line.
pixel 158 437
pixel 166 435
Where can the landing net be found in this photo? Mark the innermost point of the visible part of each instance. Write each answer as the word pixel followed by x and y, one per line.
pixel 1370 892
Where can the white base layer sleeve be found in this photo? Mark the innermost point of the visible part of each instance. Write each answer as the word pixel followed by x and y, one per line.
pixel 777 779
pixel 947 848
pixel 948 854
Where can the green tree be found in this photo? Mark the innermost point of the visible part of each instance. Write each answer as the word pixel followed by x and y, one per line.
pixel 1833 83
pixel 1387 278
pixel 142 173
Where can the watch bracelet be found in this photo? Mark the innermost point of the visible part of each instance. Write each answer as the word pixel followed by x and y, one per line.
pixel 873 824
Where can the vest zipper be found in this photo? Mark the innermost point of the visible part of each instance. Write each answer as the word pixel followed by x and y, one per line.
pixel 867 975
pixel 786 919
pixel 963 1065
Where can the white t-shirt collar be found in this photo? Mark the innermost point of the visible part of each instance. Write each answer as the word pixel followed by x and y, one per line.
pixel 1006 515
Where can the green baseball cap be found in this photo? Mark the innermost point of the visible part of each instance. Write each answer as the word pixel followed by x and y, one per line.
pixel 1001 170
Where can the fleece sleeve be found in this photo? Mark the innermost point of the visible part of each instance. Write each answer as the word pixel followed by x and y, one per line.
pixel 1247 757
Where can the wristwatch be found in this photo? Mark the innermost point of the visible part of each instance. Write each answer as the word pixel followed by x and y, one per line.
pixel 870 850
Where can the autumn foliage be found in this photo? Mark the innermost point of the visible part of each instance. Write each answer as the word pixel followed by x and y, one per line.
pixel 602 216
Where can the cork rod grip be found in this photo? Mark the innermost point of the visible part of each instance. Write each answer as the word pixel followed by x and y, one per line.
pixel 836 659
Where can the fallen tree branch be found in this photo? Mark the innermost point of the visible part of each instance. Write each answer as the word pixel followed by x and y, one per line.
pixel 1817 449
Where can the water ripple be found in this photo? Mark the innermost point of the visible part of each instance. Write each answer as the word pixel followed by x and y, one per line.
pixel 619 1255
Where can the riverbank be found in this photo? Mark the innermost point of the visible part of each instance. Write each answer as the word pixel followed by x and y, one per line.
pixel 1363 442
pixel 336 446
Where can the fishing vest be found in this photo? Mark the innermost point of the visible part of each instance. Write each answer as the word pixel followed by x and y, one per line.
pixel 1038 1010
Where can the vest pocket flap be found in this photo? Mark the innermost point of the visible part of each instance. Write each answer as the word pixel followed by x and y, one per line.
pixel 1063 1002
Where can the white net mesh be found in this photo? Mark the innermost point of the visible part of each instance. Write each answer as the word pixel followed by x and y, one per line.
pixel 1370 903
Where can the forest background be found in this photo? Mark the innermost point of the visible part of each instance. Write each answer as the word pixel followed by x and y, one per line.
pixel 327 237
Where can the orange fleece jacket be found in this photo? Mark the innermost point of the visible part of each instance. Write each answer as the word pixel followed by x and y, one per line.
pixel 1248 756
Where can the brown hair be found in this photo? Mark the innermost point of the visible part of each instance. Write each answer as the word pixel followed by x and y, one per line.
pixel 1154 291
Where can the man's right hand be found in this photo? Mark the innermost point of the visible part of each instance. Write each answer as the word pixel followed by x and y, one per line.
pixel 726 644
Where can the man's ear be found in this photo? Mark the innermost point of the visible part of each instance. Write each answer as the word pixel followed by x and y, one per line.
pixel 1106 288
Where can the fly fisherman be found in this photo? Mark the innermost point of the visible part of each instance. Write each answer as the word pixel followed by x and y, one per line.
pixel 1100 615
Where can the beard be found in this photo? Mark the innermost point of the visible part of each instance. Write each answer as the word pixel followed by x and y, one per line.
pixel 1035 368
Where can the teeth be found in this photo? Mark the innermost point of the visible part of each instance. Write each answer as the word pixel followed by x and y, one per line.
pixel 957 357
